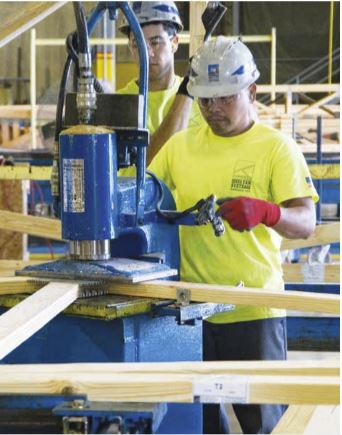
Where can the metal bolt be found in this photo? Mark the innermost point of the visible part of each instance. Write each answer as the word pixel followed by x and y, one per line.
pixel 78 404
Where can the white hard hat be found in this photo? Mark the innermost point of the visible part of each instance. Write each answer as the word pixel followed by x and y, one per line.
pixel 221 67
pixel 150 12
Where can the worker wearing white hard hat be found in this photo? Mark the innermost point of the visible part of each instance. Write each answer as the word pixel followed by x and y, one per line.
pixel 158 12
pixel 265 193
pixel 222 68
pixel 170 108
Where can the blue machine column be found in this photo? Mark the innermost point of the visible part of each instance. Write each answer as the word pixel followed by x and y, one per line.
pixel 88 185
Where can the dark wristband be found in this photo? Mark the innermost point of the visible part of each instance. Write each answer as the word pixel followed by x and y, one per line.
pixel 183 87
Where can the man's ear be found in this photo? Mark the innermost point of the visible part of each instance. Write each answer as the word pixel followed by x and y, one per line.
pixel 175 43
pixel 252 92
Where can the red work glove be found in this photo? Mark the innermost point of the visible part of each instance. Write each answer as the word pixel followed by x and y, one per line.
pixel 245 213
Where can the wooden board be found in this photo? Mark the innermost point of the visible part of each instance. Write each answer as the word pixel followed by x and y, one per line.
pixel 300 88
pixel 51 228
pixel 25 172
pixel 30 315
pixel 22 111
pixel 267 368
pixel 221 294
pixel 293 300
pixel 46 112
pixel 34 225
pixel 326 148
pixel 8 267
pixel 13 199
pixel 98 385
pixel 321 172
pixel 311 273
pixel 294 420
pixel 4 132
pixel 22 142
pixel 24 17
pixel 310 420
pixel 323 235
pixel 321 102
pixel 324 420
pixel 18 284
pixel 281 109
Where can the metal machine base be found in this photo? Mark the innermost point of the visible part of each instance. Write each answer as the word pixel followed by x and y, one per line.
pixel 75 414
pixel 116 269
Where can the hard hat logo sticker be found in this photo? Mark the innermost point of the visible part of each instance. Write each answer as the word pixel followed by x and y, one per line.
pixel 213 73
pixel 239 71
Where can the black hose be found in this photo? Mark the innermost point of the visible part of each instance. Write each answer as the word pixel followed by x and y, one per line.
pixel 72 49
pixel 82 28
pixel 75 42
pixel 170 216
pixel 72 46
pixel 61 97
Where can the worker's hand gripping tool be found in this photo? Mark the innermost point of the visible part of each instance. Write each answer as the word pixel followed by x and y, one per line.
pixel 206 214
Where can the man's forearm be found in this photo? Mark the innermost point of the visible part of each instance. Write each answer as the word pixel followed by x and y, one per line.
pixel 296 222
pixel 177 119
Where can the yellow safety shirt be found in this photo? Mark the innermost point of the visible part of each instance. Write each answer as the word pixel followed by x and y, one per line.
pixel 260 163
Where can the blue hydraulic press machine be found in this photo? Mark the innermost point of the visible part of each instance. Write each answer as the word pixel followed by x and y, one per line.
pixel 123 229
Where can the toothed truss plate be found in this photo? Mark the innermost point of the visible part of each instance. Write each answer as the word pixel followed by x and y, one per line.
pixel 116 269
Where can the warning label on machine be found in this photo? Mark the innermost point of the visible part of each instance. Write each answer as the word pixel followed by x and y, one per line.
pixel 73 185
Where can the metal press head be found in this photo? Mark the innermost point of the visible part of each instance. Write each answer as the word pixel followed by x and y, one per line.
pixel 89 249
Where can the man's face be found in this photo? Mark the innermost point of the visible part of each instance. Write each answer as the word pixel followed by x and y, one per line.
pixel 160 47
pixel 228 116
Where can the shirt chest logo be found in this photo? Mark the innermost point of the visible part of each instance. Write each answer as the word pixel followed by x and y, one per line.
pixel 242 176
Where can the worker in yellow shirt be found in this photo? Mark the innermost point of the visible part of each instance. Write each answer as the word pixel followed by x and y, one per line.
pixel 266 192
pixel 170 107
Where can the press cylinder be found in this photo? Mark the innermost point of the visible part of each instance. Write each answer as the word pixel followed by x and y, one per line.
pixel 88 185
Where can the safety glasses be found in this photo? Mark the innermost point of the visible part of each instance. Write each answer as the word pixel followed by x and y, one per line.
pixel 155 44
pixel 218 101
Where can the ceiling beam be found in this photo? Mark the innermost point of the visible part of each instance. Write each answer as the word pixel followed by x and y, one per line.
pixel 25 18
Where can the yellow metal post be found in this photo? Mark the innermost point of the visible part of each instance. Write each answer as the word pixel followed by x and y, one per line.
pixel 33 88
pixel 273 62
pixel 331 34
